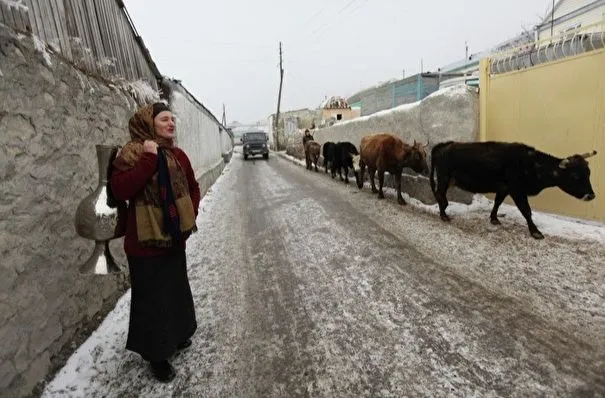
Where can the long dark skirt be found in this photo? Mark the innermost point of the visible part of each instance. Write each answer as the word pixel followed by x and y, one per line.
pixel 161 307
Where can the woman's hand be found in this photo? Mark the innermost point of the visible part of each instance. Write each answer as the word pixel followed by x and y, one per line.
pixel 150 147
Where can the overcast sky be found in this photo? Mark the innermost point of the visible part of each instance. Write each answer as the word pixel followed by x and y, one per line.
pixel 226 51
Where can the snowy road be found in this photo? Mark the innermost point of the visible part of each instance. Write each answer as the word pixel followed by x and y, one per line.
pixel 307 287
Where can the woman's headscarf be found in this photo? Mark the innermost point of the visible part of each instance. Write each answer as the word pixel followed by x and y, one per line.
pixel 164 210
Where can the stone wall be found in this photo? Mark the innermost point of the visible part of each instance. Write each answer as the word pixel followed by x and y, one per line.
pixel 51 117
pixel 448 114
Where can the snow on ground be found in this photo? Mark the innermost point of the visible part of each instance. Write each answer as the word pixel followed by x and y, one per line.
pixel 553 280
pixel 549 224
pixel 559 277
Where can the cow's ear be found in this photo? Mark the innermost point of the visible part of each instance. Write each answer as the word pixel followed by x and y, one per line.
pixel 564 163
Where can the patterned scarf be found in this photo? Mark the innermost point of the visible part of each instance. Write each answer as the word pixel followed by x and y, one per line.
pixel 164 210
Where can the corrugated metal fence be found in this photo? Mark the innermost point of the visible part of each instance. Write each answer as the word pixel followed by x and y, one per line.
pixel 96 35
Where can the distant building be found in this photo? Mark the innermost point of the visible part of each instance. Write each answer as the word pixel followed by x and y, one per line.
pixel 394 93
pixel 336 109
pixel 470 66
pixel 569 15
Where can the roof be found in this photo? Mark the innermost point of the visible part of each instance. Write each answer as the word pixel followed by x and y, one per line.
pixel 334 103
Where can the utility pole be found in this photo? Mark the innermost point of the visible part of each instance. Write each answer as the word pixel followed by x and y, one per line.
pixel 552 19
pixel 281 80
pixel 465 55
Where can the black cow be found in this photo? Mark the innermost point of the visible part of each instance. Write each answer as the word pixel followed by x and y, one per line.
pixel 343 159
pixel 328 153
pixel 505 169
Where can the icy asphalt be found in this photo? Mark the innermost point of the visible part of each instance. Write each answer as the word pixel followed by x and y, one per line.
pixel 307 287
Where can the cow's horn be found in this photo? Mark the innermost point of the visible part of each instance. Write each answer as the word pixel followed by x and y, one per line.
pixel 564 163
pixel 589 154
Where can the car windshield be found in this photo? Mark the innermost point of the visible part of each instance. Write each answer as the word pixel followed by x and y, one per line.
pixel 255 137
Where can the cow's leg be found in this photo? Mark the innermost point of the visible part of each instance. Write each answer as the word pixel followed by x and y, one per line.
pixel 372 172
pixel 500 196
pixel 380 183
pixel 443 182
pixel 340 173
pixel 400 199
pixel 346 174
pixel 523 206
pixel 315 163
pixel 326 165
pixel 361 174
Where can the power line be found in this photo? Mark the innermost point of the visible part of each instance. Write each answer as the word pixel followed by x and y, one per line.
pixel 322 25
pixel 319 28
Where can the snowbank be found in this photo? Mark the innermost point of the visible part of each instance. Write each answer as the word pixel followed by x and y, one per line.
pixel 549 224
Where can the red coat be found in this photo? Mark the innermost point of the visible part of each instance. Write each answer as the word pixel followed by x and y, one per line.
pixel 127 184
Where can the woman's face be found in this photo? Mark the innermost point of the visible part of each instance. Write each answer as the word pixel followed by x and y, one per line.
pixel 164 124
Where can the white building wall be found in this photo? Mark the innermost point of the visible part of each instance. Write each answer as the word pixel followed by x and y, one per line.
pixel 567 6
pixel 226 143
pixel 590 17
pixel 198 133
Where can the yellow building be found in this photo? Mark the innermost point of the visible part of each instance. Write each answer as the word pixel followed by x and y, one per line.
pixel 336 109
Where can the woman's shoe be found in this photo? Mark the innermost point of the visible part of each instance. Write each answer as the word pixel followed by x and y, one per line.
pixel 163 371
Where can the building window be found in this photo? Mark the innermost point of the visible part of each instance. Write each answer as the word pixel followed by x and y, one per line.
pixel 338 116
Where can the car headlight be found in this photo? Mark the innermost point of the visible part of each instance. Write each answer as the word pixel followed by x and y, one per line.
pixel 246 146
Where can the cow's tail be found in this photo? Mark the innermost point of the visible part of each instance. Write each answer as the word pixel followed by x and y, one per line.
pixel 434 155
pixel 431 177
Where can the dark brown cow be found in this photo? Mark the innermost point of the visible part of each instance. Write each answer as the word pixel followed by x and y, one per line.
pixel 312 152
pixel 506 169
pixel 385 152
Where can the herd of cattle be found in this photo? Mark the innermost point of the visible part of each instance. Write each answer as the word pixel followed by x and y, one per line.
pixel 501 168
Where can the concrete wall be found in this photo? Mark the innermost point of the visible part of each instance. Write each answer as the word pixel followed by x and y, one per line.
pixel 559 108
pixel 197 130
pixel 51 118
pixel 448 114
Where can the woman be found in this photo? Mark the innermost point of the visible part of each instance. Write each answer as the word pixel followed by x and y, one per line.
pixel 157 179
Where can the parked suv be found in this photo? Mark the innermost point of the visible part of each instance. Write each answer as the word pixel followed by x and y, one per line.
pixel 256 143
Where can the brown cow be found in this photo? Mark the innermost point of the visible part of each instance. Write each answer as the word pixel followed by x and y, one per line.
pixel 385 152
pixel 312 151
